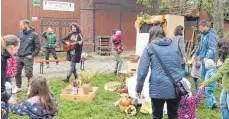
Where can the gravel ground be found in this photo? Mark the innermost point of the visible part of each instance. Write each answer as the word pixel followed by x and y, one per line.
pixel 99 64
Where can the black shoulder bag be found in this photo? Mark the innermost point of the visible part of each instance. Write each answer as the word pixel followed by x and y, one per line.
pixel 179 88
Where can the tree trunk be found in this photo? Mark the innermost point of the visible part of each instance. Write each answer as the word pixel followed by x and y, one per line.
pixel 218 16
pixel 155 7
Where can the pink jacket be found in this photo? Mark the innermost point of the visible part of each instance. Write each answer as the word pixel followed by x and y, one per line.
pixel 11 67
pixel 187 108
pixel 119 38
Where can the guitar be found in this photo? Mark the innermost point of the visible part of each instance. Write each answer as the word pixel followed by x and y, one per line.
pixel 72 45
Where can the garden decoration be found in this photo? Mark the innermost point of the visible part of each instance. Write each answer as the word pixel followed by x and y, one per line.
pixel 124 102
pixel 86 78
pixel 131 111
pixel 75 86
pixel 112 86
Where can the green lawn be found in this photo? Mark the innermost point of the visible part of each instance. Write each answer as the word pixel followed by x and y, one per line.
pixel 102 106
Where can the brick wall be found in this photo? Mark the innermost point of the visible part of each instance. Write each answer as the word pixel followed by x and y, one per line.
pixel 86 23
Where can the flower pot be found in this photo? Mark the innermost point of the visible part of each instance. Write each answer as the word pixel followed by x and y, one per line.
pixel 86 88
pixel 90 87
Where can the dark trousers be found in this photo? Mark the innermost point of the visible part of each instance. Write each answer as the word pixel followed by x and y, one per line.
pixel 158 105
pixel 27 64
pixel 196 83
pixel 183 70
pixel 72 71
pixel 48 51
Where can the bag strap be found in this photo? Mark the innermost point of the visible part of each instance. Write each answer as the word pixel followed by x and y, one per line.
pixel 162 65
pixel 179 44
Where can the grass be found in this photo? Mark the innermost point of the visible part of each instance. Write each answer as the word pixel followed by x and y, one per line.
pixel 102 106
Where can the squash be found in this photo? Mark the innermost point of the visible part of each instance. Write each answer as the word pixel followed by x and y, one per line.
pixel 125 101
pixel 131 111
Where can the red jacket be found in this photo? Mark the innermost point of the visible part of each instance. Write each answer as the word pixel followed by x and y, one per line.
pixel 117 38
pixel 11 67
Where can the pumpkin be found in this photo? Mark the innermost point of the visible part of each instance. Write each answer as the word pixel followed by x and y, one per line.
pixel 125 101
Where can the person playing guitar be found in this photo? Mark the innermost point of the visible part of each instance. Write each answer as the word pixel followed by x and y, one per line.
pixel 73 46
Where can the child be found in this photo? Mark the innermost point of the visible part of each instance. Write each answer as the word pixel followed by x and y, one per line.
pixel 222 74
pixel 117 41
pixel 196 72
pixel 188 103
pixel 210 89
pixel 40 103
pixel 11 69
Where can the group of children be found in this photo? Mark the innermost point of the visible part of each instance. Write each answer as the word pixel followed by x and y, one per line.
pixel 188 103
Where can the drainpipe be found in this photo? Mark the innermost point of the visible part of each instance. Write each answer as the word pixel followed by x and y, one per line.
pixel 94 26
pixel 28 9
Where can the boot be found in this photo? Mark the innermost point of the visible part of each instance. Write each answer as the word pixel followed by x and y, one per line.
pixel 67 79
pixel 75 76
pixel 115 72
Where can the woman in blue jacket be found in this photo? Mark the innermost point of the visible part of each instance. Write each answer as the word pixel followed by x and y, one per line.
pixel 161 88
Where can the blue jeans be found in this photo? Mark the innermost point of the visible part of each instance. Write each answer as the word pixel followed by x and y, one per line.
pixel 183 70
pixel 209 93
pixel 119 61
pixel 223 105
pixel 204 70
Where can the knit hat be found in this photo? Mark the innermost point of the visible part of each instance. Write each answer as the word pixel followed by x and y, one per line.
pixel 187 85
pixel 118 32
pixel 209 64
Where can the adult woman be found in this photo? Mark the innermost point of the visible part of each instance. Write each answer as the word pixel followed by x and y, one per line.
pixel 74 55
pixel 117 36
pixel 178 41
pixel 222 73
pixel 161 88
pixel 11 44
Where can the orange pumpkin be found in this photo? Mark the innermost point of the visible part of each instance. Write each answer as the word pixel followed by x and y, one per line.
pixel 125 102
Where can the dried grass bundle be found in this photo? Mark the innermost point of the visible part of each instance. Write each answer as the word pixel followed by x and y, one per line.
pixel 87 75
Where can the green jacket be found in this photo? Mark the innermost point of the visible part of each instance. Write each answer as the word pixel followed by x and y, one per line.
pixel 222 73
pixel 50 40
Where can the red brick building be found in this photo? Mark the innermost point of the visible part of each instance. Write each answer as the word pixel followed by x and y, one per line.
pixel 96 18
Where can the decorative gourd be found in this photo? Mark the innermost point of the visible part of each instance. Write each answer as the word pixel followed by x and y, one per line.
pixel 125 101
pixel 131 111
pixel 125 90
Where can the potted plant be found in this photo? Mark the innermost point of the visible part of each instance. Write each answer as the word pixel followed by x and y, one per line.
pixel 86 77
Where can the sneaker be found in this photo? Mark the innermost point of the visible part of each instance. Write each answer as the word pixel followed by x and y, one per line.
pixel 214 106
pixel 57 66
pixel 47 66
pixel 16 90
